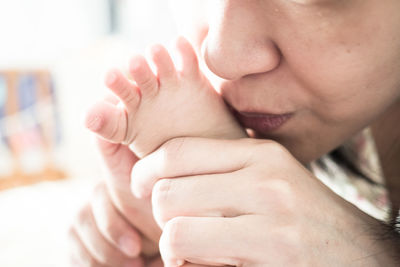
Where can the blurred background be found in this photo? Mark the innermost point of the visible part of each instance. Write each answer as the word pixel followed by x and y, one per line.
pixel 53 57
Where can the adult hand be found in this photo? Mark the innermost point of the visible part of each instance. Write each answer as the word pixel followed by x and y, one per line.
pixel 115 228
pixel 250 203
pixel 102 237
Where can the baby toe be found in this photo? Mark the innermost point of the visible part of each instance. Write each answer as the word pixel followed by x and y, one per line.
pixel 123 89
pixel 189 65
pixel 143 76
pixel 164 65
pixel 107 120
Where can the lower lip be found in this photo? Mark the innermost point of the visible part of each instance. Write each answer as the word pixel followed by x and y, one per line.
pixel 262 123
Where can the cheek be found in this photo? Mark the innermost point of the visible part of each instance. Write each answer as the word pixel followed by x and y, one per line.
pixel 354 86
pixel 338 88
pixel 349 74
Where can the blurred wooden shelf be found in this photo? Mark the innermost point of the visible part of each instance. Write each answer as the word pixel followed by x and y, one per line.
pixel 23 179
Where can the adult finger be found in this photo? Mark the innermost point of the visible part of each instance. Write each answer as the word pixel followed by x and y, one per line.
pixel 78 254
pixel 201 196
pixel 119 160
pixel 218 196
pixel 159 263
pixel 190 156
pixel 219 241
pixel 97 246
pixel 138 213
pixel 112 225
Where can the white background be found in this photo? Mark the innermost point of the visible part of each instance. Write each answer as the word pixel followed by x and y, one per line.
pixel 70 37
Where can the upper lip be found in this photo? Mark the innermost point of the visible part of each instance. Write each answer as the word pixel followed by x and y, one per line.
pixel 236 101
pixel 260 115
pixel 254 110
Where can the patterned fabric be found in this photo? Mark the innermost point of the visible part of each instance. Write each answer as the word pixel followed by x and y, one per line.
pixel 369 196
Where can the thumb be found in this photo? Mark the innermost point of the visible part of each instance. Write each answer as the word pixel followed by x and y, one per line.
pixel 119 160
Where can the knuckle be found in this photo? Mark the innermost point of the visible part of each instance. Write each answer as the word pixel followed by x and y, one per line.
pixel 274 149
pixel 173 148
pixel 252 141
pixel 266 149
pixel 172 234
pixel 161 198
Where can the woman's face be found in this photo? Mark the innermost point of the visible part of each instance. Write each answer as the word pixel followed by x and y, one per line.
pixel 326 68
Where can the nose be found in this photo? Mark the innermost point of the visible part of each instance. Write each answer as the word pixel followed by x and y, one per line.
pixel 238 42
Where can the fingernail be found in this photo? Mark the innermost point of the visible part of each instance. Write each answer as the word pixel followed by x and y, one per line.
pixel 180 262
pixel 129 246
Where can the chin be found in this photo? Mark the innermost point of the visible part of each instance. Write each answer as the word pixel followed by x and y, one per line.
pixel 303 151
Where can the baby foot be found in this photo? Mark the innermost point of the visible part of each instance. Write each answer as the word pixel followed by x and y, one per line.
pixel 155 109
